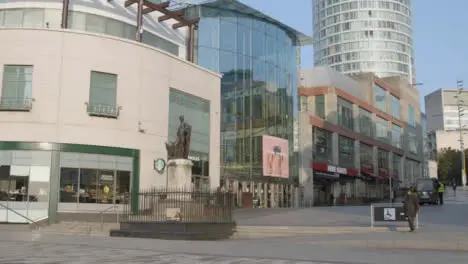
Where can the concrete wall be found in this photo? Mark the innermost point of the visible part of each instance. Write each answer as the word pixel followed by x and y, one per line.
pixel 62 62
pixel 434 111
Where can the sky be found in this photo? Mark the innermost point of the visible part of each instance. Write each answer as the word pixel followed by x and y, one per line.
pixel 439 34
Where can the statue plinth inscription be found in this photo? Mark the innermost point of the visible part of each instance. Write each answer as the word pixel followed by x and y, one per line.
pixel 179 167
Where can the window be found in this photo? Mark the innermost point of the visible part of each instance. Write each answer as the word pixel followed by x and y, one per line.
pixel 395 103
pixel 380 98
pixel 381 129
pixel 320 106
pixel 382 159
pixel 322 151
pixel 345 114
pixel 397 165
pixel 366 126
pixel 366 154
pixel 412 142
pixel 411 116
pixel 103 95
pixel 17 88
pixel 346 152
pixel 396 135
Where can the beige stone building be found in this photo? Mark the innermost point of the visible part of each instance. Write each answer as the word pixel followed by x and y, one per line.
pixel 360 136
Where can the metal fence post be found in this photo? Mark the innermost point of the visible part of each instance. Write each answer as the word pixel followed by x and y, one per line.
pixel 372 215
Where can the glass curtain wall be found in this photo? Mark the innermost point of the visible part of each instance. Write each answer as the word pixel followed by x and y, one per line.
pixel 258 88
pixel 196 113
pixel 24 185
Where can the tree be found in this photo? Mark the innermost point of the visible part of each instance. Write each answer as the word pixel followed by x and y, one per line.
pixel 449 165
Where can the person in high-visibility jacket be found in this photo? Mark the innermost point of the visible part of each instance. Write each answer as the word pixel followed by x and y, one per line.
pixel 440 191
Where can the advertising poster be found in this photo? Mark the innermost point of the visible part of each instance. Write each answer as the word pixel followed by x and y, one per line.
pixel 275 157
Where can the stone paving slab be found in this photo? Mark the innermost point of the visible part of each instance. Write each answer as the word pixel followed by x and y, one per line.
pixel 35 253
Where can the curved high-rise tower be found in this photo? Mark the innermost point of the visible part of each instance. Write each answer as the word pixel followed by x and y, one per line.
pixel 355 36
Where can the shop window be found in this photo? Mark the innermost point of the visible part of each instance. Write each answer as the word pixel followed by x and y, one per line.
pixel 103 95
pixel 16 88
pixel 94 186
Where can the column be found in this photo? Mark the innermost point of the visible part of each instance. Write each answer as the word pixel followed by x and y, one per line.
pixel 54 186
pixel 265 194
pixel 305 156
pixel 357 165
pixel 331 105
pixel 391 174
pixel 335 154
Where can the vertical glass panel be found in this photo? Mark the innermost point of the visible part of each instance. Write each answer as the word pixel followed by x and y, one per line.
pixel 396 135
pixel 69 185
pixel 244 40
pixel 411 116
pixel 122 187
pixel 228 36
pixel 95 23
pixel 103 88
pixel 33 18
pixel 89 190
pixel 346 152
pixel 258 44
pixel 196 114
pixel 382 129
pixel 2 16
pixel 366 154
pixel 322 151
pixel 345 114
pixel 19 194
pixel 77 20
pixel 208 33
pixel 13 18
pixel 129 31
pixel 114 27
pixel 380 98
pixel 105 188
pixel 395 106
pixel 320 106
pixel 366 126
pixel 4 191
pixel 209 58
pixel 39 192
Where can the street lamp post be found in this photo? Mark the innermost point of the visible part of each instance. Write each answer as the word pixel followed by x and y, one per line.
pixel 460 114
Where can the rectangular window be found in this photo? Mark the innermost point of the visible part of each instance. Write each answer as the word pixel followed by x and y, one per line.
pixel 366 126
pixel 322 150
pixel 382 129
pixel 395 106
pixel 103 95
pixel 17 88
pixel 413 142
pixel 345 114
pixel 320 106
pixel 380 98
pixel 382 159
pixel 396 135
pixel 366 154
pixel 397 166
pixel 346 152
pixel 411 116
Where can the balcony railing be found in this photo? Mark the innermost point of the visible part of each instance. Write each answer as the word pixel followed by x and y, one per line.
pixel 103 110
pixel 15 104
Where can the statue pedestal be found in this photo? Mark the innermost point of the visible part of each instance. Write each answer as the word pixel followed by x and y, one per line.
pixel 179 173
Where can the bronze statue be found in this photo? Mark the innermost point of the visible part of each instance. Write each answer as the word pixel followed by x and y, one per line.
pixel 179 149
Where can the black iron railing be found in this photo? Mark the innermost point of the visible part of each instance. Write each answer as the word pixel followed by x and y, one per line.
pixel 15 104
pixel 179 204
pixel 104 110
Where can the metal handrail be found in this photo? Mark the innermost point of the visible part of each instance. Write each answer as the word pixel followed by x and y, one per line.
pixel 114 206
pixel 21 215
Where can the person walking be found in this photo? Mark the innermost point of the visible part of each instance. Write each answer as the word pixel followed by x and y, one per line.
pixel 440 191
pixel 454 187
pixel 411 207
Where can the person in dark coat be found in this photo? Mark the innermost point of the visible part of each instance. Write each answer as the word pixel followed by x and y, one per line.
pixel 411 207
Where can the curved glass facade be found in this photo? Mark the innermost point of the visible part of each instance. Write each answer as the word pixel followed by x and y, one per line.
pixel 259 67
pixel 364 36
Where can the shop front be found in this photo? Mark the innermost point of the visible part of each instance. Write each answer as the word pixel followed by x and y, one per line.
pixel 39 180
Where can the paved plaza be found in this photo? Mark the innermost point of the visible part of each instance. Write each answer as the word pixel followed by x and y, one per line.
pixel 443 238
